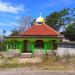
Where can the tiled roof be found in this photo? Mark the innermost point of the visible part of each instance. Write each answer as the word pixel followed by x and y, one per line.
pixel 40 29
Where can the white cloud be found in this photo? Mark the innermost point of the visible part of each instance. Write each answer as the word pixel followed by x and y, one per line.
pixel 9 24
pixel 8 33
pixel 7 7
pixel 17 17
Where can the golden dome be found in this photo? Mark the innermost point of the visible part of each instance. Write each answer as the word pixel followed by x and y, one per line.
pixel 40 19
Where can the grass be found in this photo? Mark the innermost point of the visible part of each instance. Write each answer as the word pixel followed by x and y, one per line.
pixel 57 63
pixel 52 63
pixel 48 63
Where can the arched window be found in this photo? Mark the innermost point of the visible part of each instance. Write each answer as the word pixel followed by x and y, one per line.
pixel 39 44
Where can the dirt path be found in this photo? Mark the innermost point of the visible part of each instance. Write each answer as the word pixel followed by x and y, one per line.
pixel 30 71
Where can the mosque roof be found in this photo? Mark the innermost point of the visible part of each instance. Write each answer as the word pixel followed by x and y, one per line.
pixel 41 29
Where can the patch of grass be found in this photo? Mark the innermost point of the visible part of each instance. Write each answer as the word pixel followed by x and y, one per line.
pixel 13 63
pixel 48 63
pixel 57 63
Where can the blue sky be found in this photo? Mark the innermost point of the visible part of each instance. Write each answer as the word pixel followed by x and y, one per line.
pixel 12 10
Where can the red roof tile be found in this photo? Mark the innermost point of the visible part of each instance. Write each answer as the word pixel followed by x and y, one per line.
pixel 41 29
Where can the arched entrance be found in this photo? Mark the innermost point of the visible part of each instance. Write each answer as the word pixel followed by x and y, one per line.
pixel 39 44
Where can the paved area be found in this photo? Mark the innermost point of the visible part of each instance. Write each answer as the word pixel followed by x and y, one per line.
pixel 24 71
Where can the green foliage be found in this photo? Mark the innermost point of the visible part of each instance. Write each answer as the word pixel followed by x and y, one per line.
pixel 4 31
pixel 52 20
pixel 2 46
pixel 70 29
pixel 70 32
pixel 15 32
pixel 61 18
pixel 33 21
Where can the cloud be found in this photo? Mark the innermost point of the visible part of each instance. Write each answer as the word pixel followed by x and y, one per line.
pixel 9 24
pixel 8 7
pixel 7 33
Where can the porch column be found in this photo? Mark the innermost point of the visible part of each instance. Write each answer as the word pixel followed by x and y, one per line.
pixel 7 47
pixel 32 47
pixel 21 46
pixel 10 45
pixel 45 47
pixel 17 44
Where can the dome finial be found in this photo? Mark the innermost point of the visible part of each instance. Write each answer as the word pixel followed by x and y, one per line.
pixel 40 13
pixel 40 19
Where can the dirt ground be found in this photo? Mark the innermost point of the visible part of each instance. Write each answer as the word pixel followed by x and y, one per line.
pixel 30 71
pixel 31 60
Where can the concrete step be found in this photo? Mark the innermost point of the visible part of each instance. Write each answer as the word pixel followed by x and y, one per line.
pixel 26 55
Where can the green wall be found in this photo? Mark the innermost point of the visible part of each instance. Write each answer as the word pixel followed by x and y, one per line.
pixel 48 43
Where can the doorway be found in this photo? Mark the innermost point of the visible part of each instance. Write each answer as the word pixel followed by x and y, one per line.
pixel 24 46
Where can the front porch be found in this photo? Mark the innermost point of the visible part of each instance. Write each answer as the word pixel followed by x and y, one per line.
pixel 34 47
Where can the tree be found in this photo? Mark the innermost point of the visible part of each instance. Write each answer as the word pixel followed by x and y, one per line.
pixel 33 21
pixel 52 20
pixel 25 23
pixel 2 46
pixel 15 32
pixel 4 31
pixel 69 33
pixel 61 18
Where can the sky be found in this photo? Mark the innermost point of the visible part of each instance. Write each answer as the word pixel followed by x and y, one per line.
pixel 13 10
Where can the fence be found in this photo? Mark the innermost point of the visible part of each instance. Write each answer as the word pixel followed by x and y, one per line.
pixel 65 48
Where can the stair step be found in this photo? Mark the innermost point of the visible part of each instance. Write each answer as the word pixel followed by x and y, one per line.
pixel 26 55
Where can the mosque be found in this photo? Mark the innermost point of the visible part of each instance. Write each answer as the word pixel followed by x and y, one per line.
pixel 39 38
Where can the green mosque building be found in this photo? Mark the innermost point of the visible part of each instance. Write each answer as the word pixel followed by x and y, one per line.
pixel 39 38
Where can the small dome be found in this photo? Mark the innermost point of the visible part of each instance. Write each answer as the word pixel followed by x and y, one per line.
pixel 40 19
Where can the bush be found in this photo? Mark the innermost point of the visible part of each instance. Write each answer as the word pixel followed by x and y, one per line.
pixel 71 37
pixel 2 46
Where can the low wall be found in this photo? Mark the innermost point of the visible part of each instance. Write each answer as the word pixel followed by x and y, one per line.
pixel 65 48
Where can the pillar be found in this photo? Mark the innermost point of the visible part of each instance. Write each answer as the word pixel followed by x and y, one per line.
pixel 45 47
pixel 10 45
pixel 7 47
pixel 32 47
pixel 21 46
pixel 17 45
